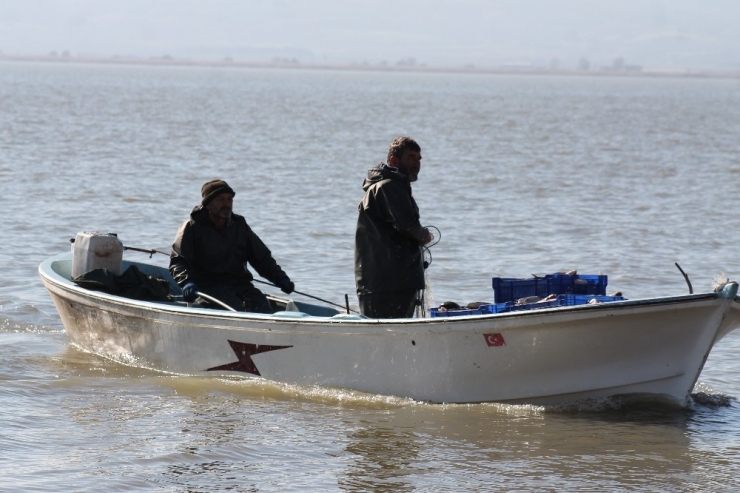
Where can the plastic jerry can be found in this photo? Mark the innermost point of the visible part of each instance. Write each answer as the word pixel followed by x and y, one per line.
pixel 92 251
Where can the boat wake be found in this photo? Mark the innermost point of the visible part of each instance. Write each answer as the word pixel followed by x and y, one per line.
pixel 713 401
pixel 706 396
pixel 641 404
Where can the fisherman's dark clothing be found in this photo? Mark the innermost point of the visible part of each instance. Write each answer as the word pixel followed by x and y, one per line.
pixel 216 260
pixel 388 240
pixel 389 304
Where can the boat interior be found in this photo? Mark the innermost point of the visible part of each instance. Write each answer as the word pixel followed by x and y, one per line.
pixel 63 268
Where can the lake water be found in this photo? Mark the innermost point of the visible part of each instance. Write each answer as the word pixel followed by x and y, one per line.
pixel 521 174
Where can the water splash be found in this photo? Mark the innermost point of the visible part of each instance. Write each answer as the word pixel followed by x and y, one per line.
pixel 719 282
pixel 713 401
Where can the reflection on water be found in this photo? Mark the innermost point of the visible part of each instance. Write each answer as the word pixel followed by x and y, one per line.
pixel 474 447
pixel 383 459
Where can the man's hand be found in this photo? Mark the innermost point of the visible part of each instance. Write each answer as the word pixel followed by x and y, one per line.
pixel 190 292
pixel 285 285
pixel 429 237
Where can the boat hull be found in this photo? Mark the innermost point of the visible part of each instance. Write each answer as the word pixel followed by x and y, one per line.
pixel 551 356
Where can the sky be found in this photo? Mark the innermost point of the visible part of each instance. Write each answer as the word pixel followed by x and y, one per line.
pixel 652 34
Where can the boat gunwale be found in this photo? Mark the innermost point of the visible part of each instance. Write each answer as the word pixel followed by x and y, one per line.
pixel 123 304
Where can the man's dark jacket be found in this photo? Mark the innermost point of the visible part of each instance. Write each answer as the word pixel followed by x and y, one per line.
pixel 388 255
pixel 209 256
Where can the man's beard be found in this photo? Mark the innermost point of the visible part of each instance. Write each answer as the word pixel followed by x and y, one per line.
pixel 222 213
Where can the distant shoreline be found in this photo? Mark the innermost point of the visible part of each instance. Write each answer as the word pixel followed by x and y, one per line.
pixel 226 63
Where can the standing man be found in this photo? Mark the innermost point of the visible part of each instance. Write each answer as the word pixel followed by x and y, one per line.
pixel 211 251
pixel 389 270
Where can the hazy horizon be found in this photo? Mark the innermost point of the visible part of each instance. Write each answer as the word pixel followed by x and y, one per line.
pixel 652 34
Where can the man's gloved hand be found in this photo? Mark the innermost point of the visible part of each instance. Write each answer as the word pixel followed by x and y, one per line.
pixel 190 292
pixel 285 285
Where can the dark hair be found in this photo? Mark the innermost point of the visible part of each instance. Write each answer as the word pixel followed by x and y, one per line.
pixel 401 145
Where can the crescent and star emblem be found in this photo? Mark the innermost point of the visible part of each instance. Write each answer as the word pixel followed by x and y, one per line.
pixel 494 339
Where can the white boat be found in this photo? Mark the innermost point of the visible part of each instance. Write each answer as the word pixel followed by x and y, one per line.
pixel 653 347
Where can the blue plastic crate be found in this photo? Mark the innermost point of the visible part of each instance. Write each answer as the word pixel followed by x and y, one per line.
pixel 537 306
pixel 481 310
pixel 437 313
pixel 584 299
pixel 507 289
pixel 495 308
pixel 562 300
pixel 576 284
pixel 511 289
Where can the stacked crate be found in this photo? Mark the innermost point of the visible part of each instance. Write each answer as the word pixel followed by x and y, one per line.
pixel 571 290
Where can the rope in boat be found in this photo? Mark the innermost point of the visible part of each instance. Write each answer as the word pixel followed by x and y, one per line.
pixel 425 248
pixel 426 254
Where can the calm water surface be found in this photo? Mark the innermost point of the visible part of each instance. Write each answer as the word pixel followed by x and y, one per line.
pixel 522 175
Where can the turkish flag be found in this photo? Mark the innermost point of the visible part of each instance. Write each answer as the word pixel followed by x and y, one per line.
pixel 494 339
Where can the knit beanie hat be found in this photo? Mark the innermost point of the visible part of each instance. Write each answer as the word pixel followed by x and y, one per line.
pixel 213 189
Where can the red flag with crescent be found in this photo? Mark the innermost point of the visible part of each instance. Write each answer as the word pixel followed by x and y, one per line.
pixel 494 339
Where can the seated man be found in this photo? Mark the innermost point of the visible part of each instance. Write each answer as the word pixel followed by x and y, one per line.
pixel 211 251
